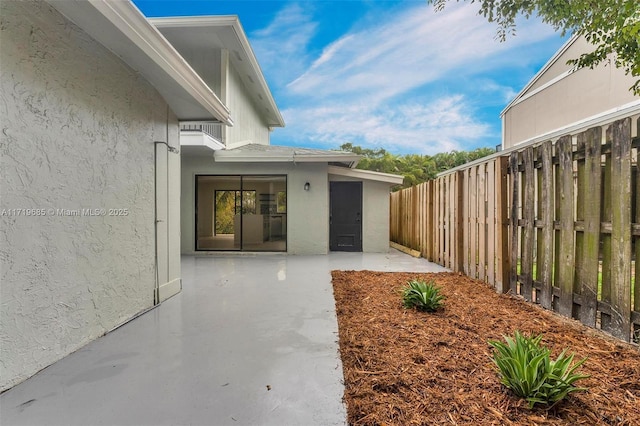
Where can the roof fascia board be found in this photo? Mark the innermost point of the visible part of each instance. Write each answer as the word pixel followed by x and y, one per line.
pixel 366 175
pixel 264 157
pixel 234 22
pixel 125 18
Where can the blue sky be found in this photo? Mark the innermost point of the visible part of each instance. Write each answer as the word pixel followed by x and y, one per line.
pixel 383 74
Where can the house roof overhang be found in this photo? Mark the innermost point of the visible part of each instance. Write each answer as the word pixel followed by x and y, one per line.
pixel 366 175
pixel 123 29
pixel 255 153
pixel 195 36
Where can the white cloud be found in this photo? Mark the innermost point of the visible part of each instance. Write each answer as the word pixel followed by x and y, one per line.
pixel 406 51
pixel 282 45
pixel 409 81
pixel 426 128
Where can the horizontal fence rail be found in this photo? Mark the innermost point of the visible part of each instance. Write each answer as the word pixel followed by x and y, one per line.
pixel 557 223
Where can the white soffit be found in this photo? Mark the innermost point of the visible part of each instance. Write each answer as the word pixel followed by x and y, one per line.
pixel 123 29
pixel 199 34
pixel 366 175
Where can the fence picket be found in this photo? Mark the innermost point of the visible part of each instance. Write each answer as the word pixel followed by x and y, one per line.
pixel 546 210
pixel 502 226
pixel 620 229
pixel 482 222
pixel 473 222
pixel 528 205
pixel 515 207
pixel 491 222
pixel 566 265
pixel 636 299
pixel 604 304
pixel 589 211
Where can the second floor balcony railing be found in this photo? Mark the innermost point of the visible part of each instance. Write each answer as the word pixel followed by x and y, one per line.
pixel 212 129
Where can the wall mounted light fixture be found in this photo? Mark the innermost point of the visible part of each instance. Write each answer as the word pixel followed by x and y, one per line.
pixel 307 186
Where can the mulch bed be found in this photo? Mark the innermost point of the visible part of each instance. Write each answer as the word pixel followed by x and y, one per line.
pixel 404 367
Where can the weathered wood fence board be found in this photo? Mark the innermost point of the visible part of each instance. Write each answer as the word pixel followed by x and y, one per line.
pixel 544 263
pixel 513 220
pixel 620 228
pixel 589 211
pixel 556 223
pixel 527 239
pixel 566 265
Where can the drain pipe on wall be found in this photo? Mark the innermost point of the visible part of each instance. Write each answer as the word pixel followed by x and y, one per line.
pixel 172 150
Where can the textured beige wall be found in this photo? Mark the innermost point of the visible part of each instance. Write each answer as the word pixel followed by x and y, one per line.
pixel 77 133
pixel 579 96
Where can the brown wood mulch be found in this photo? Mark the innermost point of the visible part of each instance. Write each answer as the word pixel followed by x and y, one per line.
pixel 404 367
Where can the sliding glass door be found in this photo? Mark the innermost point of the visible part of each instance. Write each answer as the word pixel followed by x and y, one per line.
pixel 244 212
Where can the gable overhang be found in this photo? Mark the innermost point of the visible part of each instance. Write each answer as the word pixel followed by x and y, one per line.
pixel 366 175
pixel 526 92
pixel 196 35
pixel 123 29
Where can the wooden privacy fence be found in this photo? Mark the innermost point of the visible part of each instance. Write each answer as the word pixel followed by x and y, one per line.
pixel 556 223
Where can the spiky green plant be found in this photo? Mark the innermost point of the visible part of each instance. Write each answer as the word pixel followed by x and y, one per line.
pixel 526 368
pixel 424 296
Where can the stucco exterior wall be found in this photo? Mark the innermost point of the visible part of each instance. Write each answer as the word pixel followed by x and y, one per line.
pixel 578 96
pixel 307 211
pixel 78 128
pixel 375 214
pixel 251 127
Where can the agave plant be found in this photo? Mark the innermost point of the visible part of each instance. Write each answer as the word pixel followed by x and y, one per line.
pixel 422 296
pixel 526 368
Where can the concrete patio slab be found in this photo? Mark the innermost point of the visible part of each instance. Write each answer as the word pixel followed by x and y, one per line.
pixel 251 340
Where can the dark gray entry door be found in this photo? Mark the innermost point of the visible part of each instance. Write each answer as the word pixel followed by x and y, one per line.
pixel 345 216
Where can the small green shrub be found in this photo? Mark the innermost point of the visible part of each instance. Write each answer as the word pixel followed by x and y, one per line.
pixel 422 296
pixel 527 369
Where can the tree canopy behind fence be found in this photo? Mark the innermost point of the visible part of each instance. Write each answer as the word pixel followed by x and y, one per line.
pixel 415 168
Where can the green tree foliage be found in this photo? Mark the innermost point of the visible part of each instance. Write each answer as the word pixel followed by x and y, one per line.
pixel 225 211
pixel 415 168
pixel 611 26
